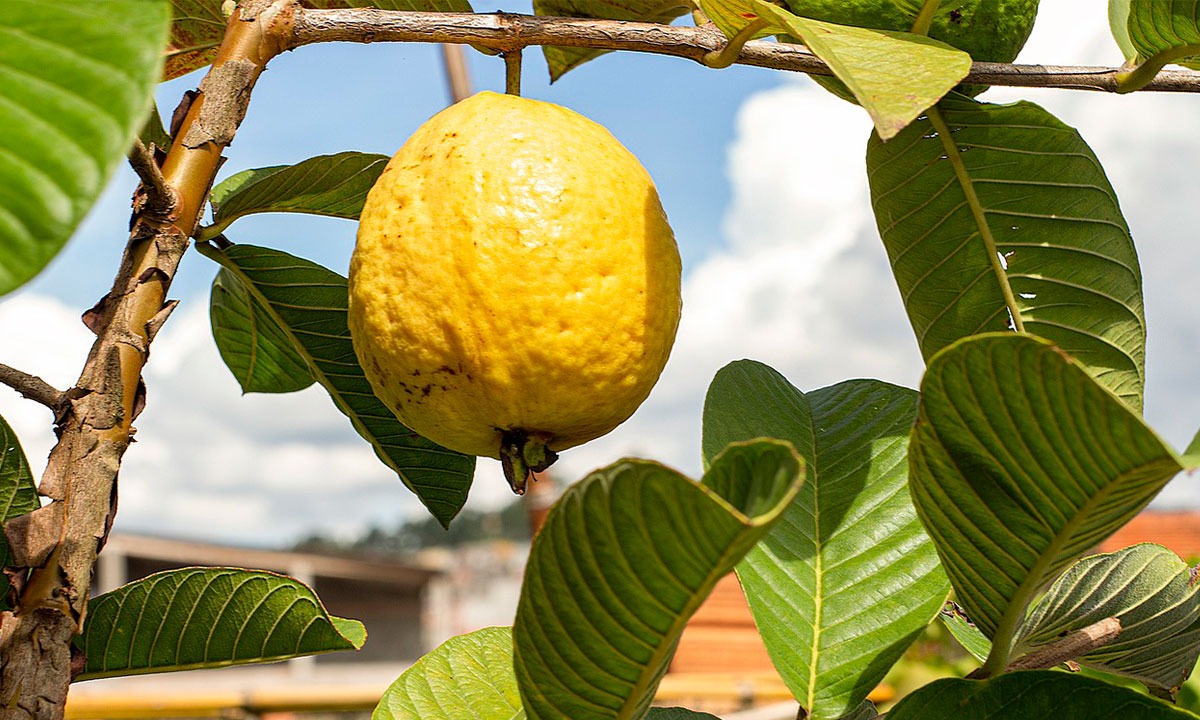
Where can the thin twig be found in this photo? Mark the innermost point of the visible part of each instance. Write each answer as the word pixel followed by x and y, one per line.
pixel 505 32
pixel 512 72
pixel 458 78
pixel 31 387
pixel 1066 648
pixel 162 198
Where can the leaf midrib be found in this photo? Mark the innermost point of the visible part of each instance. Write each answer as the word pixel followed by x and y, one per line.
pixel 978 213
pixel 818 571
pixel 648 676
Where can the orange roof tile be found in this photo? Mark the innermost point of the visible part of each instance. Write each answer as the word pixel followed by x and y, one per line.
pixel 1178 531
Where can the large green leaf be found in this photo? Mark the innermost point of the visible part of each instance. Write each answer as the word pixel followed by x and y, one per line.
pixel 256 349
pixel 199 26
pixel 1032 695
pixel 76 83
pixel 469 676
pixel 1164 32
pixel 995 215
pixel 847 579
pixel 309 302
pixel 332 185
pixel 624 559
pixel 205 618
pixel 1150 591
pixel 18 494
pixel 562 59
pixel 1020 463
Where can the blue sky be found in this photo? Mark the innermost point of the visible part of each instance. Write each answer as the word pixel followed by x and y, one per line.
pixel 761 175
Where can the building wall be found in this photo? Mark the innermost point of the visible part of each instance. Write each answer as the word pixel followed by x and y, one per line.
pixel 392 617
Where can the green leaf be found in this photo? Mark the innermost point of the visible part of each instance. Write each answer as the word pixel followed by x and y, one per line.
pixel 1192 454
pixel 1118 23
pixel 199 26
pixel 965 632
pixel 624 559
pixel 991 213
pixel 1019 463
pixel 206 618
pixel 895 76
pixel 1150 591
pixel 865 711
pixel 469 676
pixel 1031 694
pixel 76 82
pixel 18 495
pixel 309 302
pixel 332 185
pixel 1164 32
pixel 677 713
pixel 153 132
pixel 847 579
pixel 256 349
pixel 562 59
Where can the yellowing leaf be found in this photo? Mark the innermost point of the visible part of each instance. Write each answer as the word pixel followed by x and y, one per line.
pixel 895 76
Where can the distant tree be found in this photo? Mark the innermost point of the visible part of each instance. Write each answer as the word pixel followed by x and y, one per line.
pixel 509 522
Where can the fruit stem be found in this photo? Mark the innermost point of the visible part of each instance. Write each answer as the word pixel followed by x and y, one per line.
pixel 512 71
pixel 521 455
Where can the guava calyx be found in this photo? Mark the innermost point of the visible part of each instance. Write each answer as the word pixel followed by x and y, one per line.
pixel 521 455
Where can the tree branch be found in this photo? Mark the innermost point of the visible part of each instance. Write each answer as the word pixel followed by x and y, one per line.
pixel 59 542
pixel 31 387
pixel 1070 646
pixel 160 198
pixel 505 32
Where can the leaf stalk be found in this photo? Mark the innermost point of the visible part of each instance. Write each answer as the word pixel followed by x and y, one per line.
pixel 1139 77
pixel 728 55
pixel 924 19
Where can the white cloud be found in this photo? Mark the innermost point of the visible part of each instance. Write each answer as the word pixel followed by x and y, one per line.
pixel 42 337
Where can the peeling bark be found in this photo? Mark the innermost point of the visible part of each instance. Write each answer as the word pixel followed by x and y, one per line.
pixel 58 544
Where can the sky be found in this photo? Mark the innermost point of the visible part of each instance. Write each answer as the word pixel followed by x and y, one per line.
pixel 761 174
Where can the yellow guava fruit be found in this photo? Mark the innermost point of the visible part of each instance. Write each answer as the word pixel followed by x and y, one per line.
pixel 515 287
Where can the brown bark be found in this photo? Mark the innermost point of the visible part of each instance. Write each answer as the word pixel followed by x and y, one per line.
pixel 60 541
pixel 505 32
